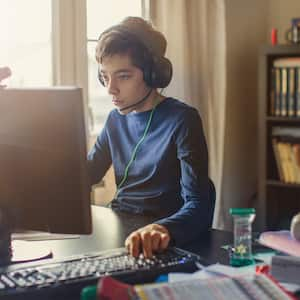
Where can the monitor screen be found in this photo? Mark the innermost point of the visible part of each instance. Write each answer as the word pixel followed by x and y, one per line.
pixel 43 172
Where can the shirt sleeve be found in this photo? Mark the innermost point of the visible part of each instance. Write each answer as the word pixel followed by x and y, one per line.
pixel 194 216
pixel 99 158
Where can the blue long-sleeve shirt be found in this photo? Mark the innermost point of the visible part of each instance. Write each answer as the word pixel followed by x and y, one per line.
pixel 169 176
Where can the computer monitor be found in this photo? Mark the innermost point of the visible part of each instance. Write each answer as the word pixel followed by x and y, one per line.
pixel 43 171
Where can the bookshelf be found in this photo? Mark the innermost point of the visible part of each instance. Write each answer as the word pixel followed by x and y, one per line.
pixel 278 200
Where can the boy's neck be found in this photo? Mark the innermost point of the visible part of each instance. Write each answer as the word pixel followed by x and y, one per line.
pixel 154 99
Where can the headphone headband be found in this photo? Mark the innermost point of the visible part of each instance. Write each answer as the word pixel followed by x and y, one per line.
pixel 157 69
pixel 129 32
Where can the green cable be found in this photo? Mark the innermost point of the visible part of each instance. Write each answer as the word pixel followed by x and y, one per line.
pixel 135 150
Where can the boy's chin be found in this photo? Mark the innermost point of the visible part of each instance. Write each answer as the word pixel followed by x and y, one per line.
pixel 124 111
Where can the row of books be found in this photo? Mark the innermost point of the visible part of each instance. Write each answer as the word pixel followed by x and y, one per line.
pixel 286 147
pixel 285 87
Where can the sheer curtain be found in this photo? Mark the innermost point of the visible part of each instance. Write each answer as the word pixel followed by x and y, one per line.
pixel 195 31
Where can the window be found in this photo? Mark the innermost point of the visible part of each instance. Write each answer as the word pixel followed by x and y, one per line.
pixel 25 39
pixel 44 45
pixel 101 15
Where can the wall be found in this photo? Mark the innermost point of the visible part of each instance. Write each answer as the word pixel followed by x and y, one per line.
pixel 280 14
pixel 246 26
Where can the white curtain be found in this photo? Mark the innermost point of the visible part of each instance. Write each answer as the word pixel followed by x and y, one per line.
pixel 195 30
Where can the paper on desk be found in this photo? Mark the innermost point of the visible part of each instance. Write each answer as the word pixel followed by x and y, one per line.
pixel 213 271
pixel 219 270
pixel 256 286
pixel 281 240
pixel 41 236
pixel 201 274
pixel 293 288
pixel 264 257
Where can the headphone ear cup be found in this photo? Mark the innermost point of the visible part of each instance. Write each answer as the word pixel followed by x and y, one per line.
pixel 149 76
pixel 161 73
pixel 100 78
pixel 146 76
pixel 167 72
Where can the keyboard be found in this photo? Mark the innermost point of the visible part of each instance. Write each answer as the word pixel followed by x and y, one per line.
pixel 64 279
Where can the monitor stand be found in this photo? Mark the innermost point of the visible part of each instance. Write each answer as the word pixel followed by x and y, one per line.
pixel 18 251
pixel 25 251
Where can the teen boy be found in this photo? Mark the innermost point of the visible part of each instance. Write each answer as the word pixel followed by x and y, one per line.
pixel 155 143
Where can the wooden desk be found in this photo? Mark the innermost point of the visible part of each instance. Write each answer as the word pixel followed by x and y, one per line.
pixel 110 230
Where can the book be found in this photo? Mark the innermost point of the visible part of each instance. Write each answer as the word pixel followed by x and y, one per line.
pixel 286 86
pixel 286 148
pixel 284 162
pixel 297 91
pixel 285 62
pixel 290 162
pixel 247 287
pixel 286 268
pixel 291 95
pixel 272 93
pixel 295 156
pixel 283 93
pixel 277 91
pixel 278 160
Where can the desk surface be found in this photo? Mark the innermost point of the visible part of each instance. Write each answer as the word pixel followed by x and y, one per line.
pixel 110 230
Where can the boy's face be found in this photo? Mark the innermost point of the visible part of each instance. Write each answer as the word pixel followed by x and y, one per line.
pixel 123 80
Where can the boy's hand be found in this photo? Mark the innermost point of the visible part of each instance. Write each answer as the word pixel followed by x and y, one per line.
pixel 148 239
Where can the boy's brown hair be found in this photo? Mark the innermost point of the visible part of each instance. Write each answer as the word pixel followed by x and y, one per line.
pixel 145 46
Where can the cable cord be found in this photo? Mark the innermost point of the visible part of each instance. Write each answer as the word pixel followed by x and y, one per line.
pixel 133 156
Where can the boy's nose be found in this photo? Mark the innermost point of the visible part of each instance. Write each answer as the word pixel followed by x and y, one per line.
pixel 112 87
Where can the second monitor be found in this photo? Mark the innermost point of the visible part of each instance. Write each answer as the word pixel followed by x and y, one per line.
pixel 43 175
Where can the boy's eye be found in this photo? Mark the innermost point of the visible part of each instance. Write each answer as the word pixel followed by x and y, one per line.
pixel 124 76
pixel 104 78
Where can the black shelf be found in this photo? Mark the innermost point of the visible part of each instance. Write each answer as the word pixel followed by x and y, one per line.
pixel 278 183
pixel 278 200
pixel 283 119
pixel 281 50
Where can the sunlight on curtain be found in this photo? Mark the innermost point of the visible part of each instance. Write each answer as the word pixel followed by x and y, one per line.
pixel 196 36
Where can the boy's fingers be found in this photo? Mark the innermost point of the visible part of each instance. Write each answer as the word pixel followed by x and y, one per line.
pixel 155 240
pixel 164 241
pixel 133 244
pixel 146 244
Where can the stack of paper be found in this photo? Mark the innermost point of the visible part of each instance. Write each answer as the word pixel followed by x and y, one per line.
pixel 212 286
